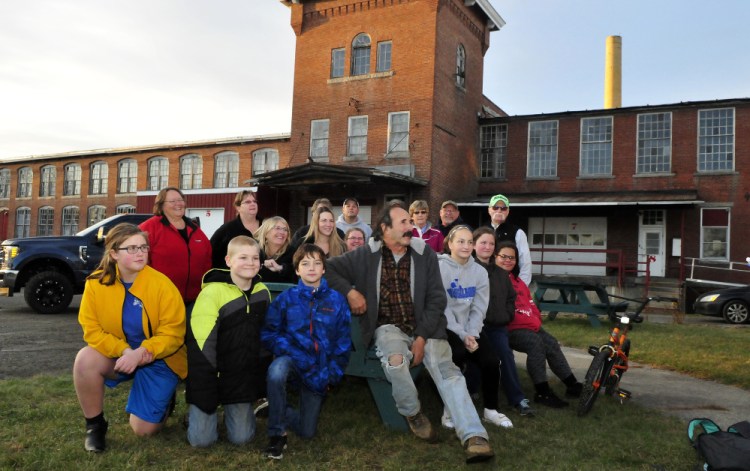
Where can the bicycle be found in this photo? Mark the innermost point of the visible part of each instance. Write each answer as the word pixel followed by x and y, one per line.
pixel 611 359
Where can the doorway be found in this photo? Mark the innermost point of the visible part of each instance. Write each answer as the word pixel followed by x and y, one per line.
pixel 651 240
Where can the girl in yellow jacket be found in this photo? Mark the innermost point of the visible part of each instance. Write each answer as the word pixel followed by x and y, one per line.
pixel 133 321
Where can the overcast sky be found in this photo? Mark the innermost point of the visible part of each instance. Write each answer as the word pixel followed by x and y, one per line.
pixel 91 74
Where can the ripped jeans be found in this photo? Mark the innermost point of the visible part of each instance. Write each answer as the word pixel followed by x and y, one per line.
pixel 390 341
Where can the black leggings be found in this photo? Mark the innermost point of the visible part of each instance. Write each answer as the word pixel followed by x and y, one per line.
pixel 484 358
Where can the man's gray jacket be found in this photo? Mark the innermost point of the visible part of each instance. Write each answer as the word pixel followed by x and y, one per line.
pixel 360 269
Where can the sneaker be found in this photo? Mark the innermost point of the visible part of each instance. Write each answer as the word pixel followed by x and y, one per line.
pixel 421 427
pixel 478 449
pixel 446 419
pixel 574 390
pixel 260 407
pixel 276 447
pixel 524 408
pixel 496 418
pixel 550 400
pixel 95 437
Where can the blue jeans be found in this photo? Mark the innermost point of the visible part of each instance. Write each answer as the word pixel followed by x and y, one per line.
pixel 239 420
pixel 390 341
pixel 303 421
pixel 498 338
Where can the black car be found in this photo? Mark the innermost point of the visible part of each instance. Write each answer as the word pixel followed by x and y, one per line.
pixel 729 303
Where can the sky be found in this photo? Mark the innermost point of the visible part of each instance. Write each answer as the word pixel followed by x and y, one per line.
pixel 92 74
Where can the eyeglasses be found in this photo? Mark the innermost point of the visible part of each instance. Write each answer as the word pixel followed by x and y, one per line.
pixel 280 228
pixel 248 203
pixel 500 208
pixel 174 201
pixel 506 257
pixel 420 211
pixel 133 249
pixel 355 238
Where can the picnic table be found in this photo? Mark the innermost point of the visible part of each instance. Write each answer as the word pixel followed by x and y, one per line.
pixel 565 296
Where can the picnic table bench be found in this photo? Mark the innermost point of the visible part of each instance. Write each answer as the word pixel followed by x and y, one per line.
pixel 574 297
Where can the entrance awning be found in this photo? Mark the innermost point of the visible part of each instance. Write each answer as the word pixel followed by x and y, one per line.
pixel 641 198
pixel 312 174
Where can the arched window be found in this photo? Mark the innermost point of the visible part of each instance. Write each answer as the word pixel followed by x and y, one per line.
pixel 265 160
pixel 158 173
pixel 96 214
pixel 47 181
pixel 125 209
pixel 98 178
pixel 127 176
pixel 361 54
pixel 461 66
pixel 72 180
pixel 23 222
pixel 191 172
pixel 70 216
pixel 226 169
pixel 5 183
pixel 25 178
pixel 46 221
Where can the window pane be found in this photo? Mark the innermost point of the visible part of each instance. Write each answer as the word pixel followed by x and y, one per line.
pixel 542 161
pixel 361 55
pixel 337 63
pixel 596 146
pixel 716 140
pixel 384 56
pixel 654 143
pixel 319 138
pixel 493 141
pixel 398 140
pixel 357 135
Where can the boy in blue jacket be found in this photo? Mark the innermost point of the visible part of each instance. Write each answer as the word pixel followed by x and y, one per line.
pixel 307 330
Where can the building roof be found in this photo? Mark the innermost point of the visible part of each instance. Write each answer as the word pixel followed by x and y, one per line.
pixel 311 174
pixel 625 198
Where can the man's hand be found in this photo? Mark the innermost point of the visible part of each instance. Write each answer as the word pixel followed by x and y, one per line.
pixel 357 302
pixel 130 360
pixel 417 350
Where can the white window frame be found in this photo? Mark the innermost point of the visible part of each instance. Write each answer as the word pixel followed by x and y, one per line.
pixel 158 173
pixel 98 178
pixel 385 56
pixel 95 213
pixel 319 135
pixel 23 222
pixel 265 160
pixel 47 181
pixel 226 169
pixel 72 180
pixel 5 182
pixel 127 176
pixel 361 54
pixel 25 182
pixel 45 221
pixel 356 144
pixel 70 220
pixel 338 62
pixel 398 140
pixel 191 172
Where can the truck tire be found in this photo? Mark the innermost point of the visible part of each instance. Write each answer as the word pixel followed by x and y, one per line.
pixel 49 292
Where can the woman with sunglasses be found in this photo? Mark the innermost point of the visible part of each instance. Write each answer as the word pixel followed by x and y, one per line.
pixel 527 335
pixel 133 322
pixel 420 217
pixel 276 252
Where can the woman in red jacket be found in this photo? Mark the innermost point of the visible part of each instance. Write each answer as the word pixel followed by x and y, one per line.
pixel 525 334
pixel 179 248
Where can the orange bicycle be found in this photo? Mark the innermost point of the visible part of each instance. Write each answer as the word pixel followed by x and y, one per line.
pixel 611 359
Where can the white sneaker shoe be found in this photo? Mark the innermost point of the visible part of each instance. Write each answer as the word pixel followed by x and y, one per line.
pixel 446 419
pixel 494 417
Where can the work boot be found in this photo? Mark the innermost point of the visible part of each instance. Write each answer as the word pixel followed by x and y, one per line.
pixel 95 437
pixel 550 400
pixel 421 427
pixel 478 449
pixel 574 390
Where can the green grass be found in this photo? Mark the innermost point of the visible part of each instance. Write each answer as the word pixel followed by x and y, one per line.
pixel 42 428
pixel 707 352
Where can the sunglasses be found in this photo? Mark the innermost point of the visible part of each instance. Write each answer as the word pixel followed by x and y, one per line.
pixel 420 211
pixel 500 208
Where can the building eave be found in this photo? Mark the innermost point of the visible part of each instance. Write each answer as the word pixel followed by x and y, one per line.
pixel 495 21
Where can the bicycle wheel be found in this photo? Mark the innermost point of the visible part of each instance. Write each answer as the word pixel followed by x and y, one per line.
pixel 596 375
pixel 612 383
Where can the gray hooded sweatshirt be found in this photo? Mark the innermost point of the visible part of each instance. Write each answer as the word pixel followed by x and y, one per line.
pixel 467 287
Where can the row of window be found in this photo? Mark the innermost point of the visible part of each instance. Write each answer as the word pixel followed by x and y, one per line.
pixel 398 136
pixel 226 174
pixel 654 145
pixel 69 222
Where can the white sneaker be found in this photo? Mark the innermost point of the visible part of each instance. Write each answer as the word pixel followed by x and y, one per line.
pixel 446 419
pixel 494 417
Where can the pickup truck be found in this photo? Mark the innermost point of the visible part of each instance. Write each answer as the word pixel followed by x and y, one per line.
pixel 51 269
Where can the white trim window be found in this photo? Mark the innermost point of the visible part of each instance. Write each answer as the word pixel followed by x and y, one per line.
pixel 158 173
pixel 337 62
pixel 23 222
pixel 384 56
pixel 493 141
pixel 5 183
pixel 542 154
pixel 48 177
pixel 45 222
pixel 654 143
pixel 398 133
pixel 25 179
pixel 357 136
pixel 319 129
pixel 716 140
pixel 226 169
pixel 70 217
pixel 361 54
pixel 191 172
pixel 125 209
pixel 715 233
pixel 127 176
pixel 98 178
pixel 265 160
pixel 596 146
pixel 96 213
pixel 72 180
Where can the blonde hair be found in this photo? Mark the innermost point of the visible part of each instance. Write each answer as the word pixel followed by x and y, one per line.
pixel 336 246
pixel 106 272
pixel 161 197
pixel 417 205
pixel 240 241
pixel 265 230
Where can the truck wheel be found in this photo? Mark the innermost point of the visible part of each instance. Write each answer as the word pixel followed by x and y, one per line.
pixel 49 292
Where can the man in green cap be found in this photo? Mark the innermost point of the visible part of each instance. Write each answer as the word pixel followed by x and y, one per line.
pixel 499 210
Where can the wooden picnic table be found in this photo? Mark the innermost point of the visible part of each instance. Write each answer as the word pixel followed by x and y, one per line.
pixel 565 296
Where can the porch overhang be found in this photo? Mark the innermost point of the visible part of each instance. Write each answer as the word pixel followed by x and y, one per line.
pixel 639 198
pixel 317 174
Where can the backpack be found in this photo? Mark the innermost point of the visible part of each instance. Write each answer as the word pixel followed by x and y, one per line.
pixel 722 450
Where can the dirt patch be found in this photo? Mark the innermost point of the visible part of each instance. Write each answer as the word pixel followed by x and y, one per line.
pixel 32 343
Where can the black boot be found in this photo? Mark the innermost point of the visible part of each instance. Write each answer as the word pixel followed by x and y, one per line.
pixel 574 387
pixel 95 433
pixel 546 397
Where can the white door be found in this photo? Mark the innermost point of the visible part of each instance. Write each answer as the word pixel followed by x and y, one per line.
pixel 651 243
pixel 210 218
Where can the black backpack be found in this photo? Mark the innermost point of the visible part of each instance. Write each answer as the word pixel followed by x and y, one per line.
pixel 722 450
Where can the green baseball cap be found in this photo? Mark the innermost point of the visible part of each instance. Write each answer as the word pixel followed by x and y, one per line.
pixel 499 199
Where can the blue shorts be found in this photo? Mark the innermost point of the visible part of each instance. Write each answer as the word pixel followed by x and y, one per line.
pixel 152 390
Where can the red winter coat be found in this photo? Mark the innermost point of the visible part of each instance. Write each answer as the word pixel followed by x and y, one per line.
pixel 527 314
pixel 184 263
